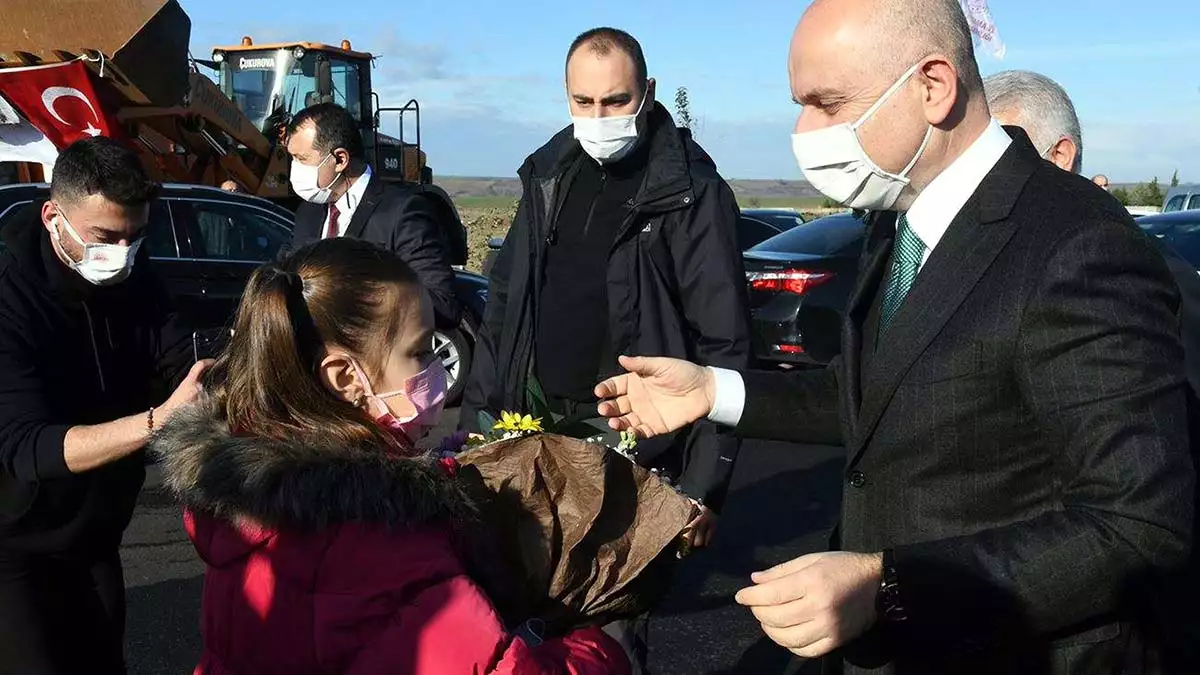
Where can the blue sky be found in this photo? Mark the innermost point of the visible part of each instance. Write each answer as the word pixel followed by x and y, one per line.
pixel 488 73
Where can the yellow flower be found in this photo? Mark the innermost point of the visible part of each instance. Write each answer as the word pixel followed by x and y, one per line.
pixel 514 422
pixel 528 423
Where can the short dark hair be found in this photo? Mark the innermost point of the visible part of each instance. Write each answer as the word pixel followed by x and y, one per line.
pixel 102 166
pixel 335 128
pixel 604 39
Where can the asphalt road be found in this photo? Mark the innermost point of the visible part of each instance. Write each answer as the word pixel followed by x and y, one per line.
pixel 782 504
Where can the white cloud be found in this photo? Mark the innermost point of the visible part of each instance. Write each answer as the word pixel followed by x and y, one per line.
pixel 1139 149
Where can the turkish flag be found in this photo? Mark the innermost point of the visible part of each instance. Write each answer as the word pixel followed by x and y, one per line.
pixel 58 100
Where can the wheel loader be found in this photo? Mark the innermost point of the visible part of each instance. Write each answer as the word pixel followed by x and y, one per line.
pixel 227 131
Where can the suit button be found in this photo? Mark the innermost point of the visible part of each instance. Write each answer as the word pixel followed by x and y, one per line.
pixel 857 479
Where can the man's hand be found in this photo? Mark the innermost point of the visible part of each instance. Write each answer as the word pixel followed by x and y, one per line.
pixel 816 603
pixel 88 447
pixel 657 396
pixel 187 391
pixel 701 531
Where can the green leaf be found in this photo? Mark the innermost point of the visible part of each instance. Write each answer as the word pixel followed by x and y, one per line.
pixel 539 404
pixel 486 422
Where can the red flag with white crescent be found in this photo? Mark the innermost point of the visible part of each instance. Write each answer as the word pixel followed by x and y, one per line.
pixel 58 99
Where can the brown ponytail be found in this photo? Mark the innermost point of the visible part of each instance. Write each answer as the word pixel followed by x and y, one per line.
pixel 338 291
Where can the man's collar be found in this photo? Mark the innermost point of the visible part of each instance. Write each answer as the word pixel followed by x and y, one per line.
pixel 937 205
pixel 349 201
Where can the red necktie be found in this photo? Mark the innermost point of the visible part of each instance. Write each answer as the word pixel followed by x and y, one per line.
pixel 332 231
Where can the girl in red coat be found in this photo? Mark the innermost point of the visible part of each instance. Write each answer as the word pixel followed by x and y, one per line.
pixel 331 546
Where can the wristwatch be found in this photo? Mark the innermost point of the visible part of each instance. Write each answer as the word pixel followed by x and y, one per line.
pixel 888 602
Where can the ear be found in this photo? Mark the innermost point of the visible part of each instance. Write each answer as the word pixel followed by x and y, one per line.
pixel 49 211
pixel 338 375
pixel 1063 154
pixel 940 88
pixel 341 159
pixel 651 97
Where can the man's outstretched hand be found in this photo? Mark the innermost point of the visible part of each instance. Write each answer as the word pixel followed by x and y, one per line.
pixel 657 395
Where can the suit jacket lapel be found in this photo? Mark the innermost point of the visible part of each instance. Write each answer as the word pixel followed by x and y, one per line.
pixel 308 224
pixel 880 234
pixel 362 212
pixel 975 238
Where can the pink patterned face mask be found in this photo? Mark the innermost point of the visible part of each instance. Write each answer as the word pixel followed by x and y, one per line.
pixel 426 391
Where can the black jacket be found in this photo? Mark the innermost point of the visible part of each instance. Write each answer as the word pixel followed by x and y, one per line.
pixel 403 220
pixel 74 354
pixel 676 287
pixel 1018 437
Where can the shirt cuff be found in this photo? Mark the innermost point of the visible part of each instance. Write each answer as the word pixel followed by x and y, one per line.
pixel 729 398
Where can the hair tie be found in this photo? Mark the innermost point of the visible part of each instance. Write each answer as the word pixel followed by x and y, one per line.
pixel 295 281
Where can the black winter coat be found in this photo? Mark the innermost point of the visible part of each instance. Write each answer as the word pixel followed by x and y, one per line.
pixel 676 288
pixel 74 354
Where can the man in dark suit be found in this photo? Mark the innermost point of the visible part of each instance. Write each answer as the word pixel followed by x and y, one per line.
pixel 1009 393
pixel 344 198
pixel 1044 111
pixel 1042 108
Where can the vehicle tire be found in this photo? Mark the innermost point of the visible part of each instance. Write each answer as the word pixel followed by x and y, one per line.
pixel 455 351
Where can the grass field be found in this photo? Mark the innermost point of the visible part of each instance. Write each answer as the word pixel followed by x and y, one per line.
pixel 801 203
pixel 798 203
pixel 483 203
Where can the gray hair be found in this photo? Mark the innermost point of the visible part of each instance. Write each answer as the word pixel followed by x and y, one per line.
pixel 1039 105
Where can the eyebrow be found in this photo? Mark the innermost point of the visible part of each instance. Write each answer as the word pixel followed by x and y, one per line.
pixel 611 99
pixel 819 96
pixel 118 234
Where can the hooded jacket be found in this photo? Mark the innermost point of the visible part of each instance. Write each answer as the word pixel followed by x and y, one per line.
pixel 331 559
pixel 72 353
pixel 676 287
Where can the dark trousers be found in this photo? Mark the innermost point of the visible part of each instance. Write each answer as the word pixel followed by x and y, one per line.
pixel 61 616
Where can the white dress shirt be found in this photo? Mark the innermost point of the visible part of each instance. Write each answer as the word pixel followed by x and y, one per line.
pixel 347 204
pixel 929 217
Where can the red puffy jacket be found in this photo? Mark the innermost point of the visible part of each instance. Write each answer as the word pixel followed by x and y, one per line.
pixel 358 572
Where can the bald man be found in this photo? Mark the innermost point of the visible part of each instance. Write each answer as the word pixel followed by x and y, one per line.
pixel 1101 180
pixel 1009 393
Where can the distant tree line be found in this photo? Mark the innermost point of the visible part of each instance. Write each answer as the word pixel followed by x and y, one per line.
pixel 1144 194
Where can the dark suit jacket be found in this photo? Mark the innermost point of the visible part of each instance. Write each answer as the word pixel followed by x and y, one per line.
pixel 1018 436
pixel 404 221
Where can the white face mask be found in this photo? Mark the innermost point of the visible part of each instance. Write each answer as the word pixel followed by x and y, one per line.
pixel 102 264
pixel 304 181
pixel 608 139
pixel 836 164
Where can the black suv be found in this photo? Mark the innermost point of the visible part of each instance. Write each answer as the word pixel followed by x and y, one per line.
pixel 205 242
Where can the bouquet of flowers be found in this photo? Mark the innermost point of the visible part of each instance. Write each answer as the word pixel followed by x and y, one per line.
pixel 577 534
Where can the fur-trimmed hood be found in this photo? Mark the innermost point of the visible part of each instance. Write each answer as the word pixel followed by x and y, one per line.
pixel 304 483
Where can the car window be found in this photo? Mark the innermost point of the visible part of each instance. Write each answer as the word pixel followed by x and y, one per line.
pixel 752 232
pixel 228 231
pixel 1183 235
pixel 1194 202
pixel 1174 203
pixel 832 235
pixel 782 220
pixel 160 236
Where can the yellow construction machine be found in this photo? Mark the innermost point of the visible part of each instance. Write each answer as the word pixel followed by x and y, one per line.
pixel 192 128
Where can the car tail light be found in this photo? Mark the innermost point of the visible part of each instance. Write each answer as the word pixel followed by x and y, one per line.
pixel 788 349
pixel 796 281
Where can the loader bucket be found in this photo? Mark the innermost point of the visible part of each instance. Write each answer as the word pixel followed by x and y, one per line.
pixel 147 40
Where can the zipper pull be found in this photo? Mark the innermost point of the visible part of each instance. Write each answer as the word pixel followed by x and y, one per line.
pixel 552 237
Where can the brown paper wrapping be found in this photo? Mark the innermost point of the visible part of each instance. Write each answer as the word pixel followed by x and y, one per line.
pixel 579 535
